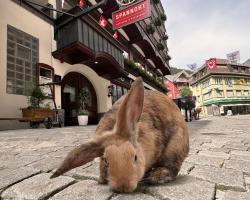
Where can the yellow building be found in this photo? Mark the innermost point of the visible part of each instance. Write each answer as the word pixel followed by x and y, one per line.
pixel 227 87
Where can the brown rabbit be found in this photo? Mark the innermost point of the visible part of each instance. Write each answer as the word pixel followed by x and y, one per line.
pixel 142 137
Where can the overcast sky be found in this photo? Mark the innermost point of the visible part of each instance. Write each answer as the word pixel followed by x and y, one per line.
pixel 203 29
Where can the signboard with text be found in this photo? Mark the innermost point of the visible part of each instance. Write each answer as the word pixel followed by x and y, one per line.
pixel 131 14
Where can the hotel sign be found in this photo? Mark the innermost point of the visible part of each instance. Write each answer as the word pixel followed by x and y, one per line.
pixel 131 14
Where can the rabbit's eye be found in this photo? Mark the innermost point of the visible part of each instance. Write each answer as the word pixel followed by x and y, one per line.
pixel 135 158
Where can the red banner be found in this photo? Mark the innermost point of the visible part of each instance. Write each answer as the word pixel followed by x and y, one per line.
pixel 103 22
pixel 116 36
pixel 211 63
pixel 131 14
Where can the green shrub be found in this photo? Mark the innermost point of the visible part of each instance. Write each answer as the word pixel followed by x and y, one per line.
pixel 150 29
pixel 186 92
pixel 163 17
pixel 160 46
pixel 144 74
pixel 158 21
pixel 36 98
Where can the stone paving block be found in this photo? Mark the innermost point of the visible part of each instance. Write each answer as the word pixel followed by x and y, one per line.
pixel 247 181
pixel 240 155
pixel 214 154
pixel 229 195
pixel 36 187
pixel 236 146
pixel 224 178
pixel 84 190
pixel 90 170
pixel 219 195
pixel 186 168
pixel 11 176
pixel 47 164
pixel 134 197
pixel 239 165
pixel 14 162
pixel 36 152
pixel 60 153
pixel 185 188
pixel 213 145
pixel 205 160
pixel 219 150
pixel 202 140
pixel 192 151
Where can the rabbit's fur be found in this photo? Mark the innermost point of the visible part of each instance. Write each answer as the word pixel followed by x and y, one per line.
pixel 143 137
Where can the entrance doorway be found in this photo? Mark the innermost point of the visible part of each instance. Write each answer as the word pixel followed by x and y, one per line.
pixel 72 84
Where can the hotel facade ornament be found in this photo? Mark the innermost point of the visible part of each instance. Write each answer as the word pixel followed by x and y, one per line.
pixel 125 2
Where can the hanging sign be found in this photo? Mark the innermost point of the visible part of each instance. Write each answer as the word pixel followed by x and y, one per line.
pixel 131 14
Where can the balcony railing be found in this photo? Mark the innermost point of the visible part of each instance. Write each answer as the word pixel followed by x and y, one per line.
pixel 80 31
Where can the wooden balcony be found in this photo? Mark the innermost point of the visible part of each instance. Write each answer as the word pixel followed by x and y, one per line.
pixel 84 41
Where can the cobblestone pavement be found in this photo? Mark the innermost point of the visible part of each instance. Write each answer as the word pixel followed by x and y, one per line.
pixel 218 166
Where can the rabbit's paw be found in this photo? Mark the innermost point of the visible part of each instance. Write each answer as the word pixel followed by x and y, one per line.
pixel 159 175
pixel 102 181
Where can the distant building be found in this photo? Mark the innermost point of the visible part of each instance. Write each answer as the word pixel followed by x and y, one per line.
pixel 175 83
pixel 227 87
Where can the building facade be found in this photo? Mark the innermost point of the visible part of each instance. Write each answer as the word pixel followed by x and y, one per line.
pixel 40 45
pixel 175 83
pixel 227 87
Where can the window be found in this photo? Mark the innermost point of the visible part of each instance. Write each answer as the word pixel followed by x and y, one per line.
pixel 205 84
pixel 218 81
pixel 230 93
pixel 246 93
pixel 238 93
pixel 207 96
pixel 229 82
pixel 235 69
pixel 219 93
pixel 22 56
pixel 198 99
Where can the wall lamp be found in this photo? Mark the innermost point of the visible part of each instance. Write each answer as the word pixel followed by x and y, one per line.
pixel 110 90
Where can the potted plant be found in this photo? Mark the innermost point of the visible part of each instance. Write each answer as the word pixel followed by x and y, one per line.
pixel 158 21
pixel 163 17
pixel 156 1
pixel 165 37
pixel 34 112
pixel 83 99
pixel 160 46
pixel 150 29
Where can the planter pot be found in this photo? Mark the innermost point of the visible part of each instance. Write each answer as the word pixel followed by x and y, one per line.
pixel 83 120
pixel 37 113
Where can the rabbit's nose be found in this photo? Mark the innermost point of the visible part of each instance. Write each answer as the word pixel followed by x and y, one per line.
pixel 124 185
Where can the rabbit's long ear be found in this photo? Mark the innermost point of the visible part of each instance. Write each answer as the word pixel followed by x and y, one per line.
pixel 130 110
pixel 83 154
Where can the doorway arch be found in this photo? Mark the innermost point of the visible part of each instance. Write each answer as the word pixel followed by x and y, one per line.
pixel 72 83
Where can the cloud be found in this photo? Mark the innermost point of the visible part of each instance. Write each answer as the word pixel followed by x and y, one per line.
pixel 199 30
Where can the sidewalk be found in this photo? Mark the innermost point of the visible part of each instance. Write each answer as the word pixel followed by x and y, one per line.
pixel 218 166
